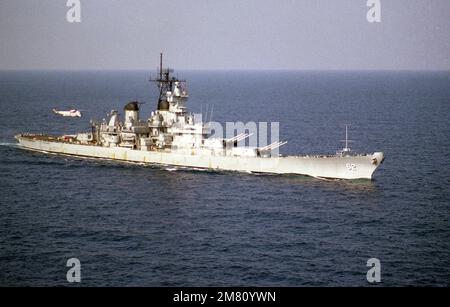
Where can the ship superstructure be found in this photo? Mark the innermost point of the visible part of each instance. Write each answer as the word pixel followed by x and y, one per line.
pixel 170 128
pixel 173 136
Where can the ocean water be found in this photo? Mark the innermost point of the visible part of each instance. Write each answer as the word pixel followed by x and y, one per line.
pixel 134 225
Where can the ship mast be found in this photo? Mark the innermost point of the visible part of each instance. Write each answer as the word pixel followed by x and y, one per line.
pixel 346 138
pixel 164 82
pixel 346 148
pixel 160 66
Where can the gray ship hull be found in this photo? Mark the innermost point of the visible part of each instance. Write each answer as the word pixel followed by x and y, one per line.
pixel 339 167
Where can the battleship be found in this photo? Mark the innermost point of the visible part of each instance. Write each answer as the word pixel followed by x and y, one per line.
pixel 171 136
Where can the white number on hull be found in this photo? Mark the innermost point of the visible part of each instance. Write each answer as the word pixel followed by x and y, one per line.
pixel 351 167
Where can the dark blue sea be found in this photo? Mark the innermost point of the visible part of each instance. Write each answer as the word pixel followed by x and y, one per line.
pixel 134 225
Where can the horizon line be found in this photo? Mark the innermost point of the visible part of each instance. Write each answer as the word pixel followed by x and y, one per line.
pixel 223 70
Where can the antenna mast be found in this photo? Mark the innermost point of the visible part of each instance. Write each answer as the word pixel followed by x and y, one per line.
pixel 164 81
pixel 346 149
pixel 160 66
pixel 346 137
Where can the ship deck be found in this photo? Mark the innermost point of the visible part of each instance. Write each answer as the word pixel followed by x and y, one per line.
pixel 71 139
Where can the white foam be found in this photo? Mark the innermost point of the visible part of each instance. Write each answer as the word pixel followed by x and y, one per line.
pixel 9 144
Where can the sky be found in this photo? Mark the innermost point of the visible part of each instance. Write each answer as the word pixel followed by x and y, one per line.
pixel 225 34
